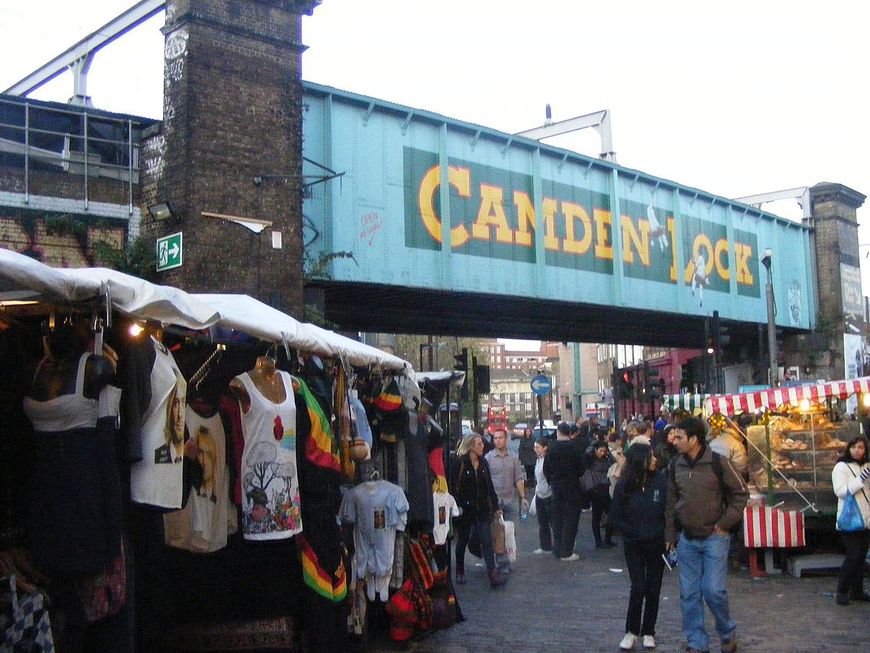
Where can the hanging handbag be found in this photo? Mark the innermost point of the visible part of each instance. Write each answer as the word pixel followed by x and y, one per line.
pixel 850 519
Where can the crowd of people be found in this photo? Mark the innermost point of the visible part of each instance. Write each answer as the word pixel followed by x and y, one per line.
pixel 641 482
pixel 675 491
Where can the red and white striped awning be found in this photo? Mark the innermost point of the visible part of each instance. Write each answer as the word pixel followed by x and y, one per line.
pixel 775 397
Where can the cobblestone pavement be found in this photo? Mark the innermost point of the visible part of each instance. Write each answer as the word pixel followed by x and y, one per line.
pixel 554 606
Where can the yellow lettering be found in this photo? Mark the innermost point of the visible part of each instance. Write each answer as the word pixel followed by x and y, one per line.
pixel 630 236
pixel 722 265
pixel 603 248
pixel 672 273
pixel 491 214
pixel 460 179
pixel 571 244
pixel 525 218
pixel 742 253
pixel 551 240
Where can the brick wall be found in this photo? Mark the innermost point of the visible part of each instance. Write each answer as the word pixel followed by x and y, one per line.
pixel 232 113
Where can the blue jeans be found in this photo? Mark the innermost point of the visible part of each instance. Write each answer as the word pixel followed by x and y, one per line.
pixel 703 566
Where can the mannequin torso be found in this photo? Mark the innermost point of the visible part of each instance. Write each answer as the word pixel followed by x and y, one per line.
pixel 266 379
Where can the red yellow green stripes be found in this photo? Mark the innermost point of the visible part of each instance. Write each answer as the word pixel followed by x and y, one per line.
pixel 320 447
pixel 389 399
pixel 317 578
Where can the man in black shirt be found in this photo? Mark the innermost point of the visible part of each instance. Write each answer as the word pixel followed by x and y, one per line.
pixel 563 468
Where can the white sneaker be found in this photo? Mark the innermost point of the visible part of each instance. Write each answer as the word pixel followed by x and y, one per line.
pixel 538 552
pixel 649 641
pixel 571 558
pixel 628 642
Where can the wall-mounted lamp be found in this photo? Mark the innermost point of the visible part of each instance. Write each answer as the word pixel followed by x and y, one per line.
pixel 162 211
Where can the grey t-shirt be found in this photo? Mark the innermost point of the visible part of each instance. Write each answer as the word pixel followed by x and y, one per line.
pixel 506 471
pixel 377 509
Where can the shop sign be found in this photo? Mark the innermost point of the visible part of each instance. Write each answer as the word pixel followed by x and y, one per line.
pixel 492 214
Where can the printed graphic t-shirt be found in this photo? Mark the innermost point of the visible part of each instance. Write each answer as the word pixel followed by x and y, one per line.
pixel 157 478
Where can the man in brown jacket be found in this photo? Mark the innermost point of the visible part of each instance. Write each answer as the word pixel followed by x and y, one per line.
pixel 706 497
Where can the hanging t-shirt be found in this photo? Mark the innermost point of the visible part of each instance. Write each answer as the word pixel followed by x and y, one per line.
pixel 270 483
pixel 156 479
pixel 209 516
pixel 445 507
pixel 377 509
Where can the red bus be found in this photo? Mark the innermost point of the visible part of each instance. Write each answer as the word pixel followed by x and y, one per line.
pixel 496 418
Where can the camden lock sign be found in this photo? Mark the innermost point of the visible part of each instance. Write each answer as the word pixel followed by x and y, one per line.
pixel 493 215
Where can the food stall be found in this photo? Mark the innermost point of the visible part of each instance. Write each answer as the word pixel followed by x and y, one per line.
pixel 792 447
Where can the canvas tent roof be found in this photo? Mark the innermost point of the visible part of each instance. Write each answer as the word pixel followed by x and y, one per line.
pixel 22 277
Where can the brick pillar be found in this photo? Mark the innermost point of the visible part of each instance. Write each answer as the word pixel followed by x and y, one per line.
pixel 835 219
pixel 231 144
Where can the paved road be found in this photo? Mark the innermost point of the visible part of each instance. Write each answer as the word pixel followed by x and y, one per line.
pixel 551 606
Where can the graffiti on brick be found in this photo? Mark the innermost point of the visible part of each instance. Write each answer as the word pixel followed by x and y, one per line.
pixel 65 242
pixel 176 45
pixel 153 152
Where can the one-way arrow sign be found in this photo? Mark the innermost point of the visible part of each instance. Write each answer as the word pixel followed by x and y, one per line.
pixel 540 385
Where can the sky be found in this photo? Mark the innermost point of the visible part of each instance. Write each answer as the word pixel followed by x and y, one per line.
pixel 732 98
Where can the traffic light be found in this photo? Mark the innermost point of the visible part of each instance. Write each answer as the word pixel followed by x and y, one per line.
pixel 626 385
pixel 720 334
pixel 481 379
pixel 462 365
pixel 461 360
pixel 653 388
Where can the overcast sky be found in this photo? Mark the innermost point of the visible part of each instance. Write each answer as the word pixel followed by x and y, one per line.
pixel 733 98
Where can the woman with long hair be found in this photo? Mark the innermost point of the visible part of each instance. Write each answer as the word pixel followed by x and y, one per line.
pixel 849 477
pixel 638 511
pixel 472 487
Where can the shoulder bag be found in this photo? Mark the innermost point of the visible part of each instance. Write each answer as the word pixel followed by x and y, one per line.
pixel 850 519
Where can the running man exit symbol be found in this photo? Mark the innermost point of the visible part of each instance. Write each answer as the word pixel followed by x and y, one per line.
pixel 169 249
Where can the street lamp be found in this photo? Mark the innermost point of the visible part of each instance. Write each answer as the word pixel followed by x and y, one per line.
pixel 766 257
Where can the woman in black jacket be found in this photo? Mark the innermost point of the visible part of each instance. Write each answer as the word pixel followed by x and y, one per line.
pixel 638 511
pixel 474 493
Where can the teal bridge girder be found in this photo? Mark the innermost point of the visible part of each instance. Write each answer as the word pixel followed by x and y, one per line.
pixel 520 240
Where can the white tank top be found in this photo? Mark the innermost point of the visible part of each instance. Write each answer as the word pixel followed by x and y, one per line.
pixel 64 412
pixel 270 483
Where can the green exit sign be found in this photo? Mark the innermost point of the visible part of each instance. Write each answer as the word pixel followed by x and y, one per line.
pixel 169 252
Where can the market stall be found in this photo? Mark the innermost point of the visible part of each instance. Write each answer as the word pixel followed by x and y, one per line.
pixel 247 512
pixel 687 402
pixel 793 447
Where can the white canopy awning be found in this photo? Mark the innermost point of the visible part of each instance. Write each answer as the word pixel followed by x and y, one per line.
pixel 22 277
pixel 130 295
pixel 251 316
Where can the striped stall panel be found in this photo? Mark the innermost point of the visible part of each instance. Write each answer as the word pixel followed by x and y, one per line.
pixel 687 402
pixel 775 397
pixel 765 527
